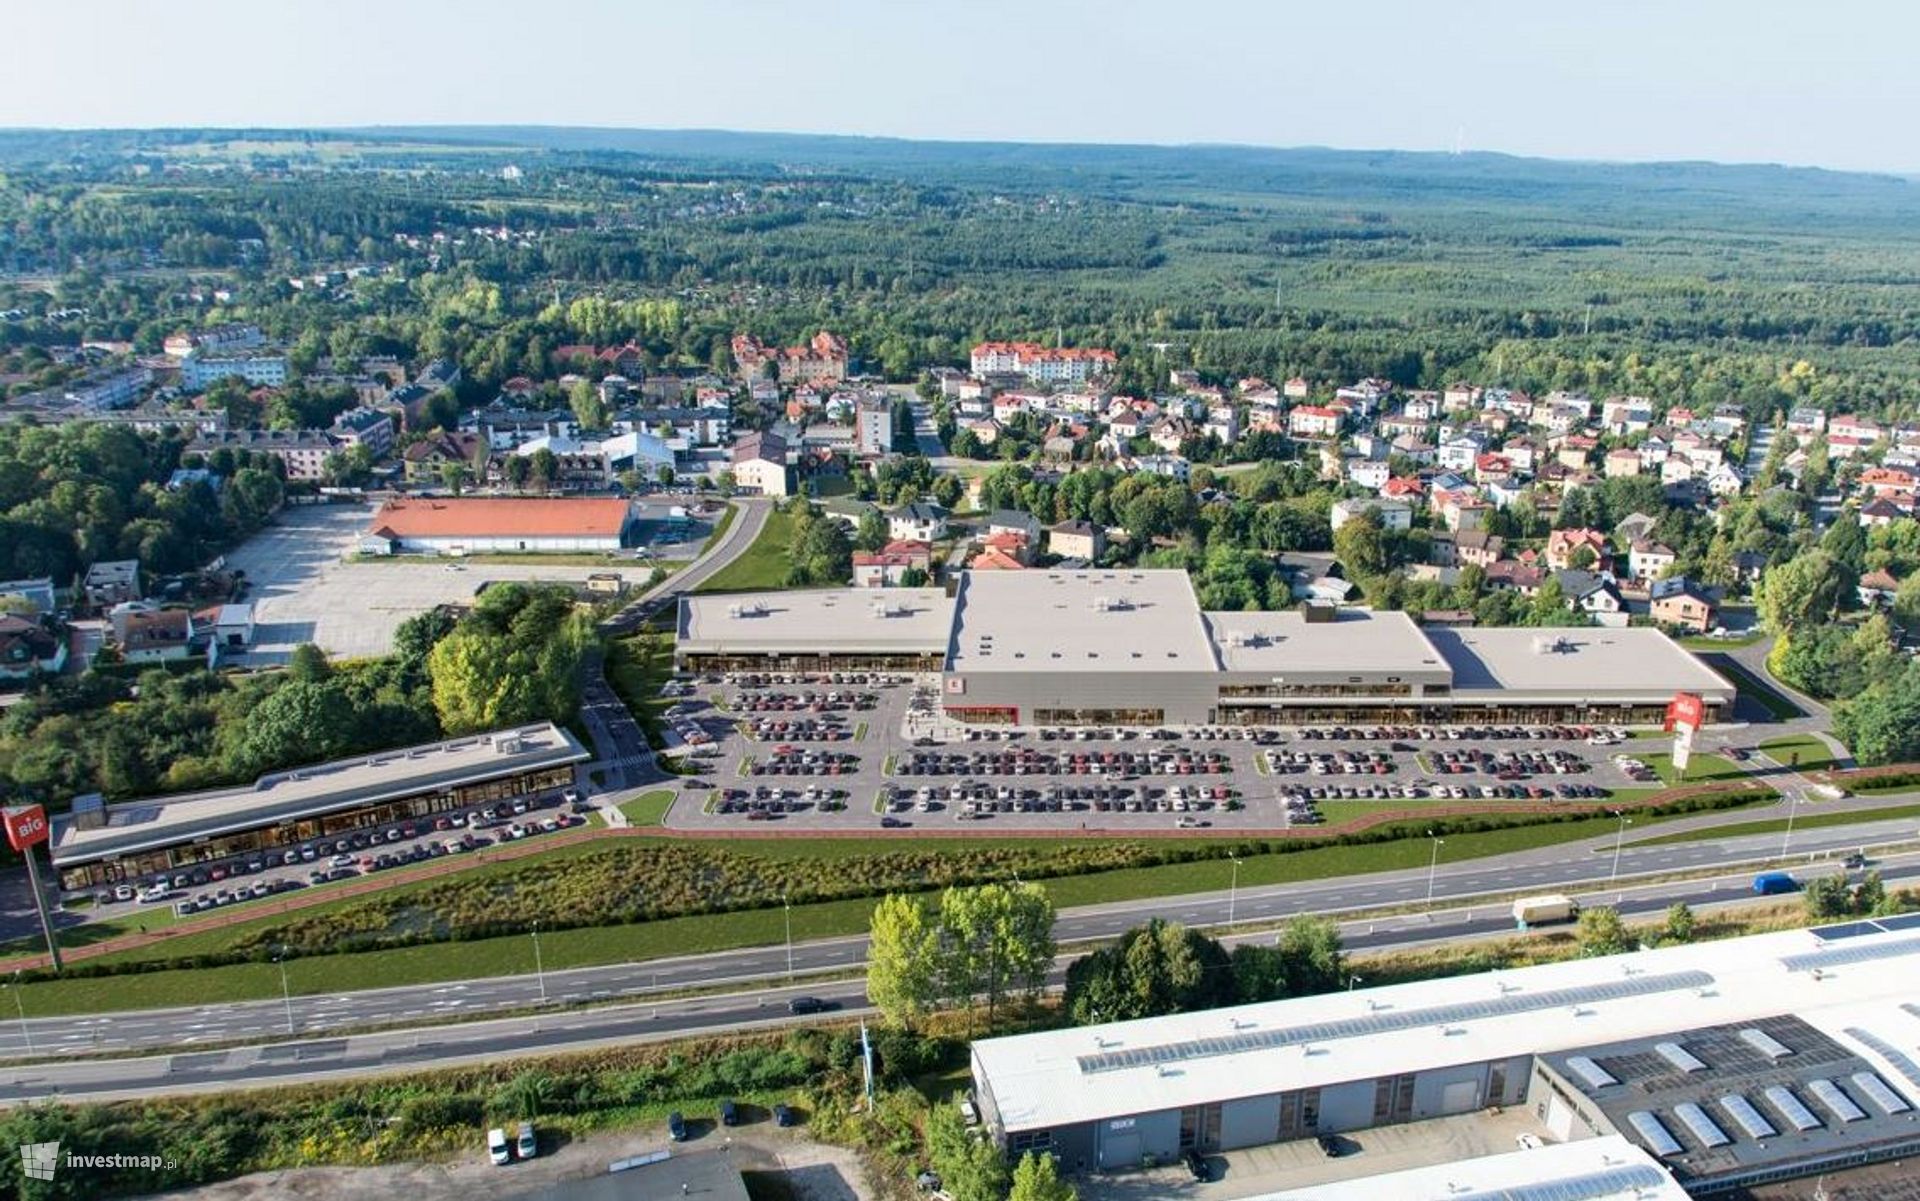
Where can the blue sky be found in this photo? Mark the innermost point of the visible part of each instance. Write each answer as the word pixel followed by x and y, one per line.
pixel 1823 82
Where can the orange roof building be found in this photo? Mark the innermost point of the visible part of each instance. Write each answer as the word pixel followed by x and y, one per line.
pixel 474 524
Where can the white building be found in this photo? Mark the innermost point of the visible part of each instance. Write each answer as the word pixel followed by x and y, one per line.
pixel 199 370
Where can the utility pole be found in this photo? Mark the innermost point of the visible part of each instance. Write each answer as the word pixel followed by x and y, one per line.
pixel 1618 838
pixel 1233 890
pixel 1793 807
pixel 1433 871
pixel 19 1004
pixel 786 909
pixel 286 992
pixel 539 967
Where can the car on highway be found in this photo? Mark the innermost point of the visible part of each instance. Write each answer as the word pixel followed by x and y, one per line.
pixel 803 1005
pixel 1855 861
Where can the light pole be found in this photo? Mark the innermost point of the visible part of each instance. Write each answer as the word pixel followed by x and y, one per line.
pixel 1618 838
pixel 1233 890
pixel 1351 981
pixel 1433 870
pixel 286 991
pixel 20 1005
pixel 1793 807
pixel 786 909
pixel 539 966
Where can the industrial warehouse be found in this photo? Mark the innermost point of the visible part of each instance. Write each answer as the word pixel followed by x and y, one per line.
pixel 1730 1065
pixel 99 844
pixel 513 525
pixel 1134 648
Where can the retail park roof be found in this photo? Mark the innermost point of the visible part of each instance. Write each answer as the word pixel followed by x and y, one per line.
pixel 888 620
pixel 1061 1077
pixel 133 826
pixel 1574 662
pixel 1079 621
pixel 499 517
pixel 1608 1168
pixel 1357 640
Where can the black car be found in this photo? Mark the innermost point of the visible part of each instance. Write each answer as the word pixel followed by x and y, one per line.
pixel 806 1005
pixel 782 1115
pixel 676 1127
pixel 1197 1165
pixel 729 1114
pixel 1856 860
pixel 1331 1147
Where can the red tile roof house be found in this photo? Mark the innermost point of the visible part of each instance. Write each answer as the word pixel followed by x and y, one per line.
pixel 888 565
pixel 465 525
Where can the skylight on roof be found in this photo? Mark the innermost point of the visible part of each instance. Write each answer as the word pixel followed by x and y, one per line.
pixel 1877 1091
pixel 1679 1057
pixel 1835 1101
pixel 1653 1133
pixel 1790 1107
pixel 1765 1043
pixel 1749 1119
pixel 1700 1125
pixel 1592 1073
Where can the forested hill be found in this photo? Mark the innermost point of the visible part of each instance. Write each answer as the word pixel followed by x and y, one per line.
pixel 1715 193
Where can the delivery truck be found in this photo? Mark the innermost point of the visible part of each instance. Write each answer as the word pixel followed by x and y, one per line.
pixel 1529 912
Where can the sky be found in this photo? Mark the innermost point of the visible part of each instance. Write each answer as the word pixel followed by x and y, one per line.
pixel 1812 82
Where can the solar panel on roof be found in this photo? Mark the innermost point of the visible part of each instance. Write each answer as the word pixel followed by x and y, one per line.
pixel 1652 1133
pixel 1389 1021
pixel 1849 953
pixel 1904 921
pixel 1591 1072
pixel 1876 1091
pixel 1701 1126
pixel 1611 1182
pixel 1679 1057
pixel 1765 1043
pixel 1749 1119
pixel 1845 930
pixel 1789 1107
pixel 1834 1100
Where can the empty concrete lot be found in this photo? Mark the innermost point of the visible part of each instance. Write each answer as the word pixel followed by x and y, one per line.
pixel 304 590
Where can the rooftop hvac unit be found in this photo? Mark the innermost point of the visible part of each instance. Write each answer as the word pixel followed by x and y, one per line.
pixel 1548 644
pixel 508 744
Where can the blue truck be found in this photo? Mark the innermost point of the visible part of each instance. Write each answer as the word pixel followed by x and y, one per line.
pixel 1770 883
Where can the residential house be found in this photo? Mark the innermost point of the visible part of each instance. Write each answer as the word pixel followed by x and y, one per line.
pixel 370 428
pixel 1634 527
pixel 823 357
pixel 424 461
pixel 1371 474
pixel 873 425
pixel 1297 388
pixel 1877 588
pixel 1477 548
pixel 111 582
pixel 1862 429
pixel 1806 422
pixel 149 635
pixel 28 648
pixel 1847 446
pixel 1172 467
pixel 1894 483
pixel 1391 514
pixel 1012 521
pixel 1313 421
pixel 1574 450
pixel 1460 398
pixel 1593 594
pixel 1653 452
pixel 1222 423
pixel 1685 608
pixel 1463 513
pixel 1170 433
pixel 1417 450
pixel 1077 540
pixel 1621 462
pixel 1621 416
pixel 1649 560
pixel 1725 480
pixel 759 464
pixel 992 558
pixel 920 521
pixel 1491 468
pixel 1017 547
pixel 37 594
pixel 1422 407
pixel 1880 511
pixel 1563 546
pixel 887 567
pixel 1460 452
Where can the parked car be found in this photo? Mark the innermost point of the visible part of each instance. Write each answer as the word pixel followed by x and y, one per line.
pixel 676 1127
pixel 783 1115
pixel 528 1144
pixel 729 1114
pixel 1197 1165
pixel 497 1149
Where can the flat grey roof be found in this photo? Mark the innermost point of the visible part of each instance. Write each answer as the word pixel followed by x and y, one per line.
pixel 1704 1086
pixel 898 620
pixel 1078 621
pixel 135 826
pixel 1356 640
pixel 1602 663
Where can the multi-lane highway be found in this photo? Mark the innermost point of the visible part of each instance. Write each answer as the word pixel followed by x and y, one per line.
pixel 430 1040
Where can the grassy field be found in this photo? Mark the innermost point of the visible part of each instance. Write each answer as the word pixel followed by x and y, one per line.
pixel 636 668
pixel 1778 825
pixel 513 954
pixel 1752 686
pixel 720 528
pixel 1811 751
pixel 762 565
pixel 1702 770
pixel 649 808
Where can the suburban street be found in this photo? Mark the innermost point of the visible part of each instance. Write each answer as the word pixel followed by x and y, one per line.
pixel 1584 868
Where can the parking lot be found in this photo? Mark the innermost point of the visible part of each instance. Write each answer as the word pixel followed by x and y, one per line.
pixel 848 752
pixel 304 589
pixel 342 856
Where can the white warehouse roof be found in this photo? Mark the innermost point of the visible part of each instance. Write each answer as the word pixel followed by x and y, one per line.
pixel 1608 1168
pixel 1062 1077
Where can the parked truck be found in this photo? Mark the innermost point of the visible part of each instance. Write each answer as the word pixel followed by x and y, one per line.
pixel 1529 912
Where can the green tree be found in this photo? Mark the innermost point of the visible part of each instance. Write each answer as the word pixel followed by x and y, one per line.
pixel 1601 932
pixel 517 469
pixel 589 410
pixel 1882 723
pixel 902 959
pixel 453 477
pixel 970 1169
pixel 1161 967
pixel 308 663
pixel 1360 545
pixel 871 533
pixel 1827 897
pixel 1680 924
pixel 1311 956
pixel 996 940
pixel 1036 1178
pixel 1806 590
pixel 514 659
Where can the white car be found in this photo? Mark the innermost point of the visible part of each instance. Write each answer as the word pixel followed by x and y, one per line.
pixel 498 1149
pixel 153 893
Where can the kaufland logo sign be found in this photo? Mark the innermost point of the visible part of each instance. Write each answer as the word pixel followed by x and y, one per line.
pixel 26 825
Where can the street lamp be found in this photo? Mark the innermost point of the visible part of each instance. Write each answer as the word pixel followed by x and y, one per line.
pixel 1233 890
pixel 286 992
pixel 1351 981
pixel 20 1005
pixel 1793 807
pixel 786 909
pixel 1618 838
pixel 1433 870
pixel 539 966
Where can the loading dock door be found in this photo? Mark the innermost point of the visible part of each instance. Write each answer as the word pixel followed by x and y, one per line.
pixel 1462 1096
pixel 1559 1119
pixel 1119 1149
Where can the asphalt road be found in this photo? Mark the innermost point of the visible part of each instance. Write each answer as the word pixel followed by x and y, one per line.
pixel 615 987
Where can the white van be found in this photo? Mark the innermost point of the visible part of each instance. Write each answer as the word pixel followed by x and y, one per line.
pixel 497 1149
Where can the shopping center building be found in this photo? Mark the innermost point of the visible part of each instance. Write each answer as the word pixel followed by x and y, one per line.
pixel 99 844
pixel 1043 648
